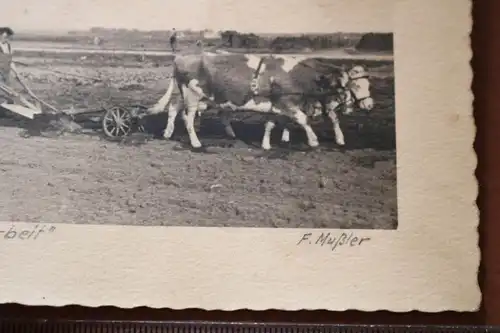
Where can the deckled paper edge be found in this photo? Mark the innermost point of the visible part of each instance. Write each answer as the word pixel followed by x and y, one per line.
pixel 34 289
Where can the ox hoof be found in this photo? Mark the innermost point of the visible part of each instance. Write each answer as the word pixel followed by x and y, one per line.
pixel 199 150
pixel 196 145
pixel 230 133
pixel 266 147
pixel 314 144
pixel 167 135
pixel 341 142
pixel 286 145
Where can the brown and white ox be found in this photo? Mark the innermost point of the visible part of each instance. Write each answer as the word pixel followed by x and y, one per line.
pixel 274 85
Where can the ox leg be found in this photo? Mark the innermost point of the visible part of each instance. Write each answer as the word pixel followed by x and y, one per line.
pixel 189 116
pixel 339 135
pixel 191 105
pixel 285 136
pixel 301 118
pixel 226 121
pixel 172 115
pixel 266 138
pixel 269 126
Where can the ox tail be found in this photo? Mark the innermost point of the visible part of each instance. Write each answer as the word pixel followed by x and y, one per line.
pixel 165 99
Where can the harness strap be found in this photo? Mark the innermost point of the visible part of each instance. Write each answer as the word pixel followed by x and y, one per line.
pixel 360 77
pixel 353 95
pixel 254 86
pixel 259 66
pixel 360 99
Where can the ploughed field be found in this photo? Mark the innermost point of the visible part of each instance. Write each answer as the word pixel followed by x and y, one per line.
pixel 84 178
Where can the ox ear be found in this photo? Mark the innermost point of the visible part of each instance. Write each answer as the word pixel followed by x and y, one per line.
pixel 343 79
pixel 358 71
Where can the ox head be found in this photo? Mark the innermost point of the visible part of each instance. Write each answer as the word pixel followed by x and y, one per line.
pixel 355 89
pixel 346 89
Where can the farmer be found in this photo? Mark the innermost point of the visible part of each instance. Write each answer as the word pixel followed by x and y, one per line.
pixel 7 67
pixel 173 40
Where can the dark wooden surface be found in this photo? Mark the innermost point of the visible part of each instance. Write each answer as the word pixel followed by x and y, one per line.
pixel 486 64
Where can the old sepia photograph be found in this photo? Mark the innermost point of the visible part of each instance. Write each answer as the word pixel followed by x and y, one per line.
pixel 197 122
pixel 238 154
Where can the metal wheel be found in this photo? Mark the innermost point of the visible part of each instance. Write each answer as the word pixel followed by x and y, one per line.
pixel 117 122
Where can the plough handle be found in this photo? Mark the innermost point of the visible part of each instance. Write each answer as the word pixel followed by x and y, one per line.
pixel 43 102
pixel 13 93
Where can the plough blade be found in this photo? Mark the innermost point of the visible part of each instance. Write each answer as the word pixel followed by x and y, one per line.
pixel 21 110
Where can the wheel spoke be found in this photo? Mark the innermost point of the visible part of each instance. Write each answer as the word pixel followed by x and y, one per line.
pixel 125 128
pixel 122 128
pixel 121 113
pixel 117 122
pixel 115 118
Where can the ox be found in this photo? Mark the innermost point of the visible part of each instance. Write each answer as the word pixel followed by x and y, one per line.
pixel 274 85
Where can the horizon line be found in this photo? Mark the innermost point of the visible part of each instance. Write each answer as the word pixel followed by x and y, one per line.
pixel 66 30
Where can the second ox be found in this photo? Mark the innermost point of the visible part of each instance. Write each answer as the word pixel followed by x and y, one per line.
pixel 274 85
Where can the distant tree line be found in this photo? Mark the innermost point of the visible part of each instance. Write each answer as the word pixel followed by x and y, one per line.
pixel 133 38
pixel 234 39
pixel 376 42
pixel 362 42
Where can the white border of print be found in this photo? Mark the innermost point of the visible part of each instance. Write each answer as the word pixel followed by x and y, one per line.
pixel 429 263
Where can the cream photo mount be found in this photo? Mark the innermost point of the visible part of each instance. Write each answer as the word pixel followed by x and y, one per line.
pixel 428 263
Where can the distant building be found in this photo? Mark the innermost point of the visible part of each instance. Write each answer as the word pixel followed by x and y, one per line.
pixel 210 34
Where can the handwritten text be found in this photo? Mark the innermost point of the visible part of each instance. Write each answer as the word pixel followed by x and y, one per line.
pixel 29 233
pixel 333 241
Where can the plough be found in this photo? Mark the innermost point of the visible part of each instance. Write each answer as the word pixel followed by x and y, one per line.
pixel 116 121
pixel 23 108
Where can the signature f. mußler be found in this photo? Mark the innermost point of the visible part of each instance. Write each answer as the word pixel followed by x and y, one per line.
pixel 333 240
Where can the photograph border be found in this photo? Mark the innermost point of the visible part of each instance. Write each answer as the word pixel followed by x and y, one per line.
pixel 430 263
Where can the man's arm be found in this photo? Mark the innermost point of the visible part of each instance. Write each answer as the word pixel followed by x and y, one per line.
pixel 31 93
pixel 13 68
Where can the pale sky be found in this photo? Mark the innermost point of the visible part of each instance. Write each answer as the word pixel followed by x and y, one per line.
pixel 242 15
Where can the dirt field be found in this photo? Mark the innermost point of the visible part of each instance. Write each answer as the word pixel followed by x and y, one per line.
pixel 86 179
